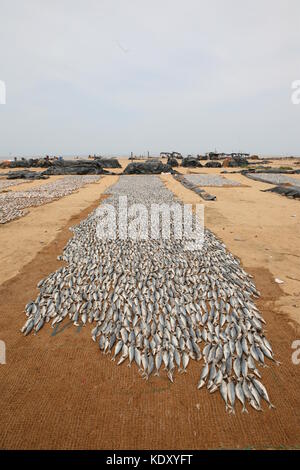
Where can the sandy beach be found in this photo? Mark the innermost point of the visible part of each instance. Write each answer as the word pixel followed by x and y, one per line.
pixel 58 392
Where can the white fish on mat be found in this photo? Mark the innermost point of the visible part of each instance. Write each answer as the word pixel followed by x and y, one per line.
pixel 152 302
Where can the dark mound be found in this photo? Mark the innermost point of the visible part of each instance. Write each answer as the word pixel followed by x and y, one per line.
pixel 30 163
pixel 213 164
pixel 237 163
pixel 172 161
pixel 289 191
pixel 108 162
pixel 76 167
pixel 147 168
pixel 191 162
pixel 25 174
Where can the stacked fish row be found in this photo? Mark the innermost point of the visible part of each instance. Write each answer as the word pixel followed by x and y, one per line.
pixel 14 204
pixel 4 184
pixel 158 305
pixel 274 178
pixel 210 180
pixel 194 187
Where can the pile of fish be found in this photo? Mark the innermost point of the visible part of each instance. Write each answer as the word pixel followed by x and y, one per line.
pixel 14 204
pixel 274 178
pixel 194 187
pixel 210 180
pixel 4 184
pixel 158 305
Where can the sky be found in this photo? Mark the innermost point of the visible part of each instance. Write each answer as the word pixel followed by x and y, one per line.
pixel 117 76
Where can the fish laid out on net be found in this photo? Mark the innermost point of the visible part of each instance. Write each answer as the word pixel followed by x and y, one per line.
pixel 157 305
pixel 13 204
pixel 5 184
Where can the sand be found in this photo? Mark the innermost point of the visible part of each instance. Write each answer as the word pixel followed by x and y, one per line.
pixel 24 186
pixel 58 392
pixel 262 229
pixel 22 239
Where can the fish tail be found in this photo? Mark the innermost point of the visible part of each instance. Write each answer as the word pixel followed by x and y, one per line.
pixel 272 406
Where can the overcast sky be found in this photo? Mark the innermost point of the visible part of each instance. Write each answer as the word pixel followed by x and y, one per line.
pixel 114 76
